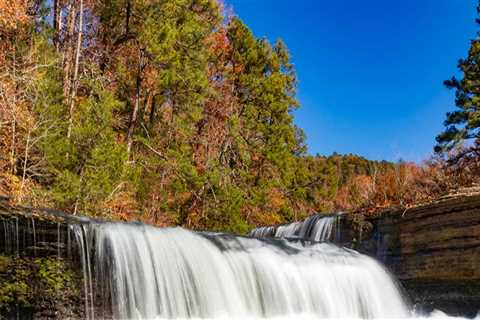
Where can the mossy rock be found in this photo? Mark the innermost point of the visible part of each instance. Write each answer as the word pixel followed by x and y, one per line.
pixel 37 284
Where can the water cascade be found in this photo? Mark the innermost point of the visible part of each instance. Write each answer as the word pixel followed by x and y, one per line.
pixel 317 227
pixel 140 272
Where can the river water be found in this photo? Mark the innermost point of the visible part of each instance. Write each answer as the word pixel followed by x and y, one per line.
pixel 135 271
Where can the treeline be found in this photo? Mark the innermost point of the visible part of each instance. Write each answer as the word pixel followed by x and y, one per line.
pixel 353 183
pixel 164 111
pixel 170 112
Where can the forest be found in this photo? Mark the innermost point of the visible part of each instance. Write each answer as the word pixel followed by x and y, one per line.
pixel 173 113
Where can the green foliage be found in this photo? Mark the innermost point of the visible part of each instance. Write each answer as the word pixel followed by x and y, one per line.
pixel 53 275
pixel 179 116
pixel 89 164
pixel 463 124
pixel 29 282
pixel 262 139
pixel 13 283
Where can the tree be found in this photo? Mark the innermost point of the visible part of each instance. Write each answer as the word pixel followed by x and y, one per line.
pixel 463 124
pixel 264 140
pixel 25 56
pixel 167 112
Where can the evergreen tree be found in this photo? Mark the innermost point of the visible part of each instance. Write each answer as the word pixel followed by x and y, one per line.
pixel 463 124
pixel 163 111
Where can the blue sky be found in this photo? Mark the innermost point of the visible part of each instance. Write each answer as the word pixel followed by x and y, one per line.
pixel 370 72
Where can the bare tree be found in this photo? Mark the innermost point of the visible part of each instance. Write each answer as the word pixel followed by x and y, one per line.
pixel 68 48
pixel 76 66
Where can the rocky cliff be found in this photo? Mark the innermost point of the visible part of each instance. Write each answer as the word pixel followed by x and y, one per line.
pixel 40 275
pixel 433 249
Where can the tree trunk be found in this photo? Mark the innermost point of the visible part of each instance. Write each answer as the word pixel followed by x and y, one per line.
pixel 136 104
pixel 24 173
pixel 75 73
pixel 127 17
pixel 68 58
pixel 13 155
pixel 57 22
pixel 153 108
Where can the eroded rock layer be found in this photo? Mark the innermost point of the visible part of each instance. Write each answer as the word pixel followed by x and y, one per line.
pixel 40 276
pixel 434 250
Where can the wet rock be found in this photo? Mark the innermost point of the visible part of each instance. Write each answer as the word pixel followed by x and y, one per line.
pixel 434 250
pixel 40 277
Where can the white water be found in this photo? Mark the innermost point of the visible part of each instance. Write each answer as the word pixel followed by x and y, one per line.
pixel 316 228
pixel 174 273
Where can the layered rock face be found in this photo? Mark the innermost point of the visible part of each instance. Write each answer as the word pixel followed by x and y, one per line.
pixel 40 275
pixel 433 249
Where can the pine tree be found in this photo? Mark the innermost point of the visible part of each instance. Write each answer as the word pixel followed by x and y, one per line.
pixel 163 111
pixel 463 124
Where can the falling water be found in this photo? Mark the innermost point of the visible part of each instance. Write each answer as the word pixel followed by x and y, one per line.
pixel 17 239
pixel 34 237
pixel 84 244
pixel 263 232
pixel 316 228
pixel 11 237
pixel 143 272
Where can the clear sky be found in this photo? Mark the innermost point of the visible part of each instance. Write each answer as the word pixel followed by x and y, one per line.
pixel 370 72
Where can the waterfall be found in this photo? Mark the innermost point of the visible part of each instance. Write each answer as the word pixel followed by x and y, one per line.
pixel 137 271
pixel 317 227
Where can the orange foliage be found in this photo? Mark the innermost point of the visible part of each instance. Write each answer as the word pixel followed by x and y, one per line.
pixel 258 217
pixel 405 184
pixel 121 206
pixel 12 13
pixel 213 133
